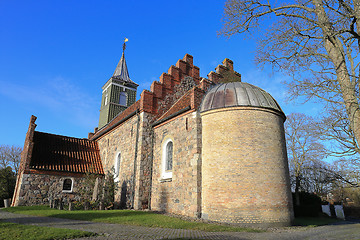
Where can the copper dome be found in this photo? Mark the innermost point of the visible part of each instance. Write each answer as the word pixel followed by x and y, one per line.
pixel 237 94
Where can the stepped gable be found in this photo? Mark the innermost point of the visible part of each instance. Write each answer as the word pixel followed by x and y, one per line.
pixel 150 99
pixel 224 73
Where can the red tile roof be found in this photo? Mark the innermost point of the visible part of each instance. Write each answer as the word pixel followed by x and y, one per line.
pixel 65 154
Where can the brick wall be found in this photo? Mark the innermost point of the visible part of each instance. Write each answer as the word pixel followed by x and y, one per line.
pixel 25 159
pixel 245 175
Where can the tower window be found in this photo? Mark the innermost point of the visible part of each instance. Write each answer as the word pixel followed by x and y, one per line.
pixel 106 99
pixel 67 185
pixel 123 98
pixel 167 159
pixel 117 166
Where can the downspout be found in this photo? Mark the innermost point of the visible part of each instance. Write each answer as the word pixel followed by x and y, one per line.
pixel 135 156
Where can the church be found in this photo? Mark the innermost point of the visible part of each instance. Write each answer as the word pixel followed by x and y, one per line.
pixel 211 148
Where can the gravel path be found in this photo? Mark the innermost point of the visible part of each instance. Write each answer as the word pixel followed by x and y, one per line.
pixel 346 230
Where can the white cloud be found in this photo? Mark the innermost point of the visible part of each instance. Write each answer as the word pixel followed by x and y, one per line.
pixel 58 96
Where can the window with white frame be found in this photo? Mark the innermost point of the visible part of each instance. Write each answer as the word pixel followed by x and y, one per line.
pixel 117 166
pixel 67 185
pixel 123 98
pixel 167 159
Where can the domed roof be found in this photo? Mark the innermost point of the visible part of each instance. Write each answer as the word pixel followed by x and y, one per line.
pixel 237 94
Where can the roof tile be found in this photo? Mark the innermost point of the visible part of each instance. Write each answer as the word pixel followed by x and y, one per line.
pixel 60 153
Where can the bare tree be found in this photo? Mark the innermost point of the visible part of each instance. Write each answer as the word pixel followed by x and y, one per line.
pixel 343 180
pixel 341 173
pixel 10 156
pixel 305 149
pixel 315 41
pixel 335 127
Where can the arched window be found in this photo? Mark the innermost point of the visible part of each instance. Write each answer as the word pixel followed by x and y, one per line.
pixel 169 156
pixel 123 98
pixel 167 159
pixel 67 185
pixel 117 166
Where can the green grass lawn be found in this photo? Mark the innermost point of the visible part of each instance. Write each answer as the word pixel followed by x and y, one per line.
pixel 150 219
pixel 15 231
pixel 130 217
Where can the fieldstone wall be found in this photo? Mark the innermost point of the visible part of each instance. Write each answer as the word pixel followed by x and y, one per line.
pixel 121 140
pixel 245 174
pixel 38 189
pixel 132 140
pixel 143 173
pixel 182 193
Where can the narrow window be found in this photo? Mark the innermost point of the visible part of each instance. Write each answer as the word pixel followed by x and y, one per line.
pixel 106 98
pixel 169 156
pixel 67 185
pixel 167 159
pixel 117 166
pixel 123 98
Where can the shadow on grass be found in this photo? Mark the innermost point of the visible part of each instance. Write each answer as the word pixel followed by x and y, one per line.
pixel 129 217
pixel 98 215
pixel 316 221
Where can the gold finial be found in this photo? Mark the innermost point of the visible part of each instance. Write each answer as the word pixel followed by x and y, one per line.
pixel 124 45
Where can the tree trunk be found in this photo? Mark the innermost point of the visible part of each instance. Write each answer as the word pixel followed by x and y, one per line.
pixel 297 194
pixel 336 53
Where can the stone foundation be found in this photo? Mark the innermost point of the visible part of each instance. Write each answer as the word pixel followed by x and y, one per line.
pixel 46 187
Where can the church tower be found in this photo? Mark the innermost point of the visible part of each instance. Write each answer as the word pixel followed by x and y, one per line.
pixel 118 93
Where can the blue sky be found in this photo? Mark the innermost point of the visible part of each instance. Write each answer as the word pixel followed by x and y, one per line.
pixel 56 55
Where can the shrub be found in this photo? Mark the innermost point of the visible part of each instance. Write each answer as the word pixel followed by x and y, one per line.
pixel 310 205
pixel 7 184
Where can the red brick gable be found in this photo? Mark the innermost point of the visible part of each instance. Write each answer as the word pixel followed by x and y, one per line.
pixel 191 98
pixel 64 154
pixel 151 100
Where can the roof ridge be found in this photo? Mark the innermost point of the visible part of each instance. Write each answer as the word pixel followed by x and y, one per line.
pixel 58 135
